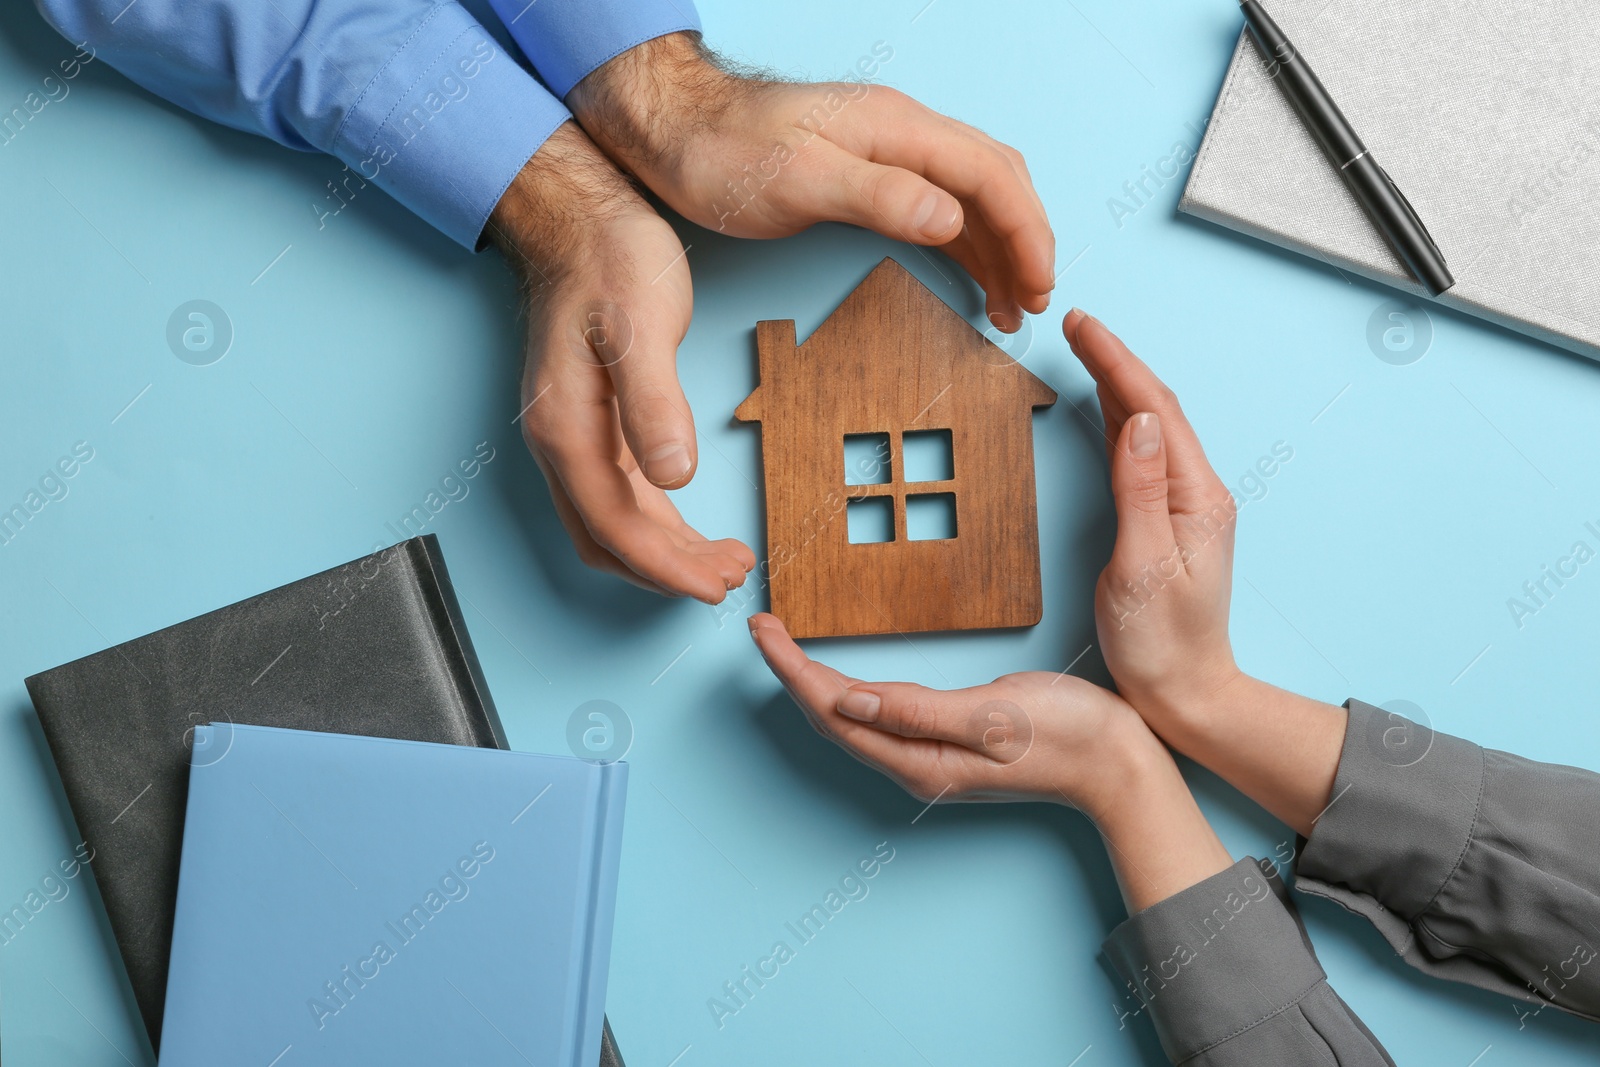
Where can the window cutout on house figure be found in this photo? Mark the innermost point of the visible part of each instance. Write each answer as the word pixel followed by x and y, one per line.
pixel 866 459
pixel 930 516
pixel 870 520
pixel 927 455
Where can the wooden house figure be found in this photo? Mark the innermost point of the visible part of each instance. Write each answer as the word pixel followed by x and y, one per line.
pixel 897 368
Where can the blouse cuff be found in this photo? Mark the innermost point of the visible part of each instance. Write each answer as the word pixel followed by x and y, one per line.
pixel 1216 960
pixel 1398 823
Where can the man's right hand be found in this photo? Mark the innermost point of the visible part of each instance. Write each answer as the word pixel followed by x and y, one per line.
pixel 609 300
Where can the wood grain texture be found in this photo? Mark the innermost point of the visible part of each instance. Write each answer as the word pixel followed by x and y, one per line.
pixel 893 359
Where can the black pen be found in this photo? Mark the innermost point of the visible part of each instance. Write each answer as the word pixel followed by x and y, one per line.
pixel 1382 199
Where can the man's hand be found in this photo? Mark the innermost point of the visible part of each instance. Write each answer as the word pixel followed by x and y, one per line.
pixel 758 158
pixel 1161 604
pixel 609 300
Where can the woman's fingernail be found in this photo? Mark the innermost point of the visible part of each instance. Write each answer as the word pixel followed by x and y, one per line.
pixel 667 464
pixel 860 705
pixel 930 221
pixel 1145 441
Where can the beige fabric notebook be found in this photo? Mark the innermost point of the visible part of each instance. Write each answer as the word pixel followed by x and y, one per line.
pixel 1486 113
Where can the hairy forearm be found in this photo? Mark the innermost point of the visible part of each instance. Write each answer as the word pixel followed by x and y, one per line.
pixel 1157 838
pixel 1276 747
pixel 645 107
pixel 562 192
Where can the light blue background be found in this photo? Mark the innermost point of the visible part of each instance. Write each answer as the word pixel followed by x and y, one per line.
pixel 374 355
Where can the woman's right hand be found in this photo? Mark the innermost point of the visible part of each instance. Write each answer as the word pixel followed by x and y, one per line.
pixel 1161 603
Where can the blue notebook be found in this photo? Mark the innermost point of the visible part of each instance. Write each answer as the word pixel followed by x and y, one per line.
pixel 352 900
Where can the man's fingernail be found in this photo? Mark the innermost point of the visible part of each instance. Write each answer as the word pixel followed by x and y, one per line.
pixel 930 220
pixel 667 464
pixel 1145 440
pixel 859 705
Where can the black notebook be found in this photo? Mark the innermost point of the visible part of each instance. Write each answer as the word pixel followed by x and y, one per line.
pixel 374 647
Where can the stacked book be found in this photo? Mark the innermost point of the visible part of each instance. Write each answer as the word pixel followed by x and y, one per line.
pixel 313 846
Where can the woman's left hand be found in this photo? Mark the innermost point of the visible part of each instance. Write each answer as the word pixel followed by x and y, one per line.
pixel 1024 736
pixel 1030 736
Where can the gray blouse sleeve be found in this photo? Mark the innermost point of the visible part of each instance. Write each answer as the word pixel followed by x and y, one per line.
pixel 1226 973
pixel 1476 865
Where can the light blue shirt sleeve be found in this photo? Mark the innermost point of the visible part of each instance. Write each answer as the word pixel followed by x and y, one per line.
pixel 414 95
pixel 566 39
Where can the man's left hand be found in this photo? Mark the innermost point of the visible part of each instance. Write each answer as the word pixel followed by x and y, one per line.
pixel 754 157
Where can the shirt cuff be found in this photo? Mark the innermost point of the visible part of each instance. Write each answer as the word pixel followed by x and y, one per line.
pixel 566 39
pixel 447 123
pixel 1217 959
pixel 1394 833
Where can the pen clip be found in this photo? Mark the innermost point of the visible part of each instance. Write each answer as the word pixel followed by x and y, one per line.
pixel 1426 236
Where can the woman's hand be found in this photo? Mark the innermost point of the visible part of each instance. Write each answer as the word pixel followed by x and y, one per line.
pixel 1032 736
pixel 754 157
pixel 1161 604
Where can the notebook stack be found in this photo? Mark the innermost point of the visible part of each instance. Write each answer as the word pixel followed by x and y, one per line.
pixel 300 710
